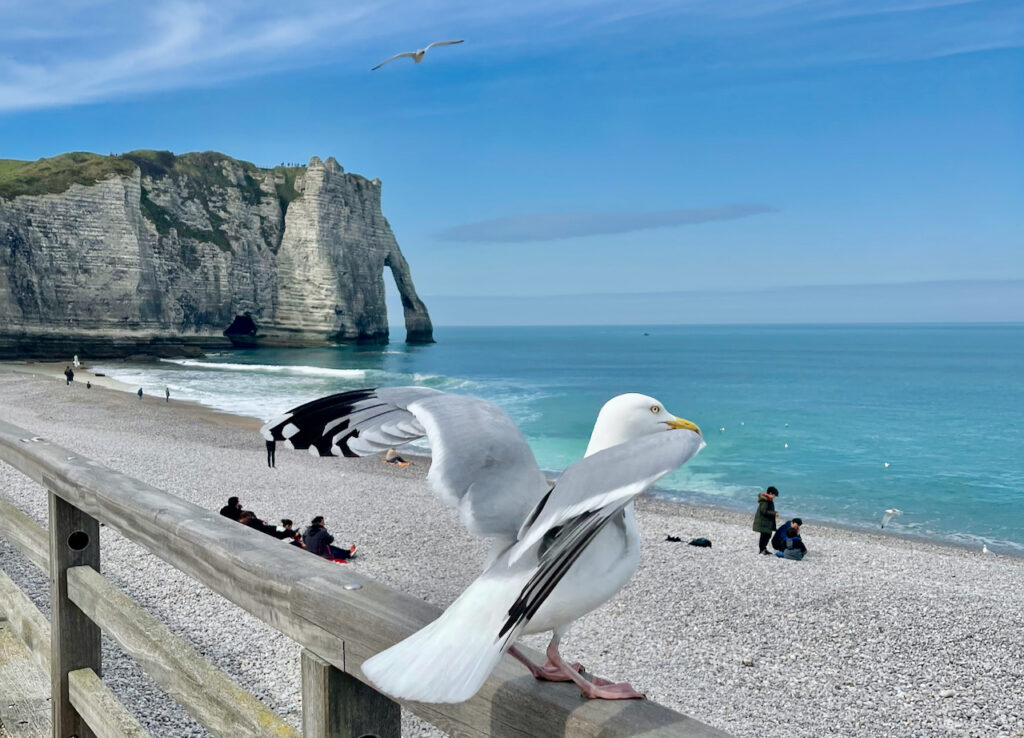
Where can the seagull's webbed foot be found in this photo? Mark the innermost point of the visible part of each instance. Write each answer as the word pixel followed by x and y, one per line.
pixel 596 688
pixel 549 672
pixel 608 690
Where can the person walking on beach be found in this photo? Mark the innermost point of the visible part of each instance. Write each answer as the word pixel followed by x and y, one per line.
pixel 69 375
pixel 167 394
pixel 139 393
pixel 271 448
pixel 765 518
pixel 318 541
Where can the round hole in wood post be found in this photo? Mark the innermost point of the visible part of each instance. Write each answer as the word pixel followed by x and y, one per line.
pixel 78 540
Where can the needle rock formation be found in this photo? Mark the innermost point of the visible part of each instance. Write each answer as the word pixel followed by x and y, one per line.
pixel 148 252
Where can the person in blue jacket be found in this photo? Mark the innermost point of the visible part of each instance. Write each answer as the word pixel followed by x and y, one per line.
pixel 779 539
pixel 787 541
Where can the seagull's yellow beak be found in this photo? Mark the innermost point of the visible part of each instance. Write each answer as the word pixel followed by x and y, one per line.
pixel 683 424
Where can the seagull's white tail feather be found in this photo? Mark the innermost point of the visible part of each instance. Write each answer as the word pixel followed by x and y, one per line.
pixel 450 659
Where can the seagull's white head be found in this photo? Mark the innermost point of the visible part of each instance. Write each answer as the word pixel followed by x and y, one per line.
pixel 630 416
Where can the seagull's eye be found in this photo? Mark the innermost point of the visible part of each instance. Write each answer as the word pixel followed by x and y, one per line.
pixel 655 409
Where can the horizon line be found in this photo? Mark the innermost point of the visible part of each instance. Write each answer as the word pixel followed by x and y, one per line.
pixel 733 291
pixel 893 324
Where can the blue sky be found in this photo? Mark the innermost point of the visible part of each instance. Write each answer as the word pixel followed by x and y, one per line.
pixel 584 148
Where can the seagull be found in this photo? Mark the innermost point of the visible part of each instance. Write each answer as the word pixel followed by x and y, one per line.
pixel 417 56
pixel 886 464
pixel 891 513
pixel 541 573
pixel 984 549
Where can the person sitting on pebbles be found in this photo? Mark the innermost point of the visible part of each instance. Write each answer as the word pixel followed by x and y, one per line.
pixel 318 541
pixel 392 457
pixel 787 541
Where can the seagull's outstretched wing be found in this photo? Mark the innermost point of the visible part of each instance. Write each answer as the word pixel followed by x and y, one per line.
pixel 443 43
pixel 409 54
pixel 482 465
pixel 449 660
pixel 603 483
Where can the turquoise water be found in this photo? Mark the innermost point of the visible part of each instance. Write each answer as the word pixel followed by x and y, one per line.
pixel 816 411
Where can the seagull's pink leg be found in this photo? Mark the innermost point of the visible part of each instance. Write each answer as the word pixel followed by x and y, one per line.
pixel 600 689
pixel 549 672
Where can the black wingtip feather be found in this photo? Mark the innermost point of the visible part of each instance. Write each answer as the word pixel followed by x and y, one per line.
pixel 309 419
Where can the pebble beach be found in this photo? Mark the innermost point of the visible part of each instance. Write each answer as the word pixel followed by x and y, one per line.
pixel 871 634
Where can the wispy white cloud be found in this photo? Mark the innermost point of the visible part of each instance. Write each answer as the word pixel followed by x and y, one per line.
pixel 63 52
pixel 167 45
pixel 553 226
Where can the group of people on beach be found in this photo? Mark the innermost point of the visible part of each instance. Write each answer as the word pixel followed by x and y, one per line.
pixel 314 539
pixel 69 376
pixel 69 373
pixel 785 538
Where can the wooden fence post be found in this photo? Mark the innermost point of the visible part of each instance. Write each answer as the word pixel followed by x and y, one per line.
pixel 337 705
pixel 74 638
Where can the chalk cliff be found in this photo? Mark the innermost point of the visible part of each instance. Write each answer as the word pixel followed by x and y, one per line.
pixel 151 252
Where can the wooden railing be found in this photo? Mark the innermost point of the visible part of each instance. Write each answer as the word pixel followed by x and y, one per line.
pixel 338 617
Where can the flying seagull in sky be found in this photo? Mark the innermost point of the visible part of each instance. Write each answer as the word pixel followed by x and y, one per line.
pixel 417 56
pixel 557 551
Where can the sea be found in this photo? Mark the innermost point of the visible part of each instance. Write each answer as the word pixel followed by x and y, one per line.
pixel 846 421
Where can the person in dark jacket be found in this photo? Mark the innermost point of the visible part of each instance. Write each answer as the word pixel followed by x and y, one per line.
pixel 792 544
pixel 271 448
pixel 233 509
pixel 765 518
pixel 248 518
pixel 790 527
pixel 318 541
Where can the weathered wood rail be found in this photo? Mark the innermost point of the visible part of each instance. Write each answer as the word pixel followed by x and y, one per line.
pixel 338 617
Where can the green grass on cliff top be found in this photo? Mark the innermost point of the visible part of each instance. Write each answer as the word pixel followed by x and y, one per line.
pixel 56 174
pixel 203 171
